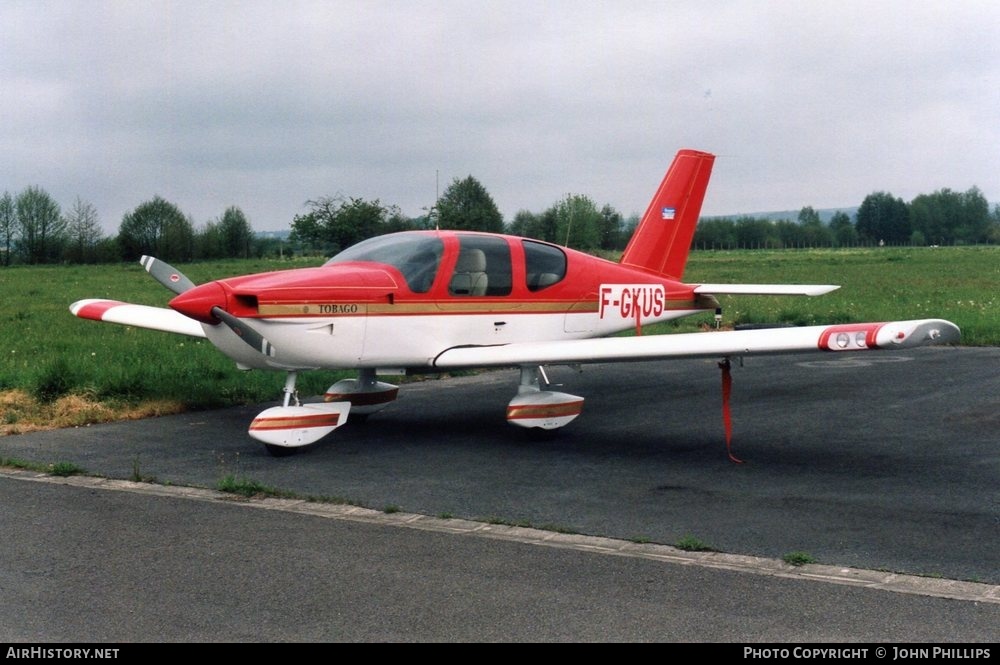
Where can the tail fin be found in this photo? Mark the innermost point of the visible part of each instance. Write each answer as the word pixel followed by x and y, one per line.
pixel 662 240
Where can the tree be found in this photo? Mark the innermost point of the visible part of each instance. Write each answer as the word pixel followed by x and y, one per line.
pixel 715 234
pixel 308 230
pixel 83 232
pixel 993 230
pixel 754 233
pixel 208 242
pixel 235 233
pixel 467 205
pixel 8 227
pixel 40 224
pixel 974 225
pixel 358 220
pixel 628 228
pixel 933 216
pixel 157 228
pixel 609 229
pixel 809 217
pixel 945 217
pixel 844 233
pixel 524 224
pixel 790 233
pixel 577 222
pixel 883 218
pixel 335 223
pixel 814 234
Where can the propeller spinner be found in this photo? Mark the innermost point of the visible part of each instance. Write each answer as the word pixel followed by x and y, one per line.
pixel 202 303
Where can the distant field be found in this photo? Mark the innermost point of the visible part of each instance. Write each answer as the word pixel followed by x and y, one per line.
pixel 961 284
pixel 46 354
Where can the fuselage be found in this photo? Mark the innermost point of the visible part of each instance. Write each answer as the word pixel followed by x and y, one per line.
pixel 399 300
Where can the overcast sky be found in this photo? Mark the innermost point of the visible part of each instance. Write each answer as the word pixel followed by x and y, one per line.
pixel 265 105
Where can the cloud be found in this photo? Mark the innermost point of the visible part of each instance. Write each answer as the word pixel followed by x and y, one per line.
pixel 265 105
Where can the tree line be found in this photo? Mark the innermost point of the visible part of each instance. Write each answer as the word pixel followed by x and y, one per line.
pixel 944 217
pixel 333 224
pixel 34 228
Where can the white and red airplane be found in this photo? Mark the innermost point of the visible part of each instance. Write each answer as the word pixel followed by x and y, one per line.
pixel 425 301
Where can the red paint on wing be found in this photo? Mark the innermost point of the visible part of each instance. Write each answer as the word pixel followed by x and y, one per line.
pixel 95 310
pixel 827 340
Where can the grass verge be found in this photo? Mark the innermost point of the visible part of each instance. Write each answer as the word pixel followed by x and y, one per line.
pixel 689 543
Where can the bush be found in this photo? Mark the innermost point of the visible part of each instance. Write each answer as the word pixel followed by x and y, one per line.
pixel 54 381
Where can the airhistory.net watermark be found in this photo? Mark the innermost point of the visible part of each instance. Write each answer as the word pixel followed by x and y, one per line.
pixel 59 653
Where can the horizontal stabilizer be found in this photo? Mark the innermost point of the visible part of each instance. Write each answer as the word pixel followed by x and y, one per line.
pixel 841 337
pixel 766 289
pixel 139 316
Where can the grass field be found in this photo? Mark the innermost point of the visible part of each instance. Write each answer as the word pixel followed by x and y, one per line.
pixel 961 284
pixel 59 370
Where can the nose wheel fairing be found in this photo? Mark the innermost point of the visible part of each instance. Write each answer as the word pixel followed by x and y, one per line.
pixel 292 426
pixel 366 394
pixel 297 426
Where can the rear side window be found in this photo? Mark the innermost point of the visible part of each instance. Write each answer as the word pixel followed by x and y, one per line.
pixel 545 265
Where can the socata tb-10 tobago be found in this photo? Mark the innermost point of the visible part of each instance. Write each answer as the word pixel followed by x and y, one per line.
pixel 443 300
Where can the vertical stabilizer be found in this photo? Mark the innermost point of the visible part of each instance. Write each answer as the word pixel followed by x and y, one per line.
pixel 662 240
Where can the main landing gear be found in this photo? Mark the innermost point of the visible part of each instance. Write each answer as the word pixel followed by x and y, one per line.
pixel 537 407
pixel 366 394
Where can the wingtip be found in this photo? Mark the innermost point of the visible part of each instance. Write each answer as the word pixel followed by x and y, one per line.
pixel 93 308
pixel 944 332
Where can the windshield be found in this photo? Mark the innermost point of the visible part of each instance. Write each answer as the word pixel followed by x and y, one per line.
pixel 416 255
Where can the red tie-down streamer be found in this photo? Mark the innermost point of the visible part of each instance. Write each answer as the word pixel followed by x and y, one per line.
pixel 727 421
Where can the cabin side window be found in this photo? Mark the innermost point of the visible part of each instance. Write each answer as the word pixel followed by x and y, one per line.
pixel 483 267
pixel 544 265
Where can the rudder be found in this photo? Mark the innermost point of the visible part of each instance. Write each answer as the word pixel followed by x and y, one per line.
pixel 662 241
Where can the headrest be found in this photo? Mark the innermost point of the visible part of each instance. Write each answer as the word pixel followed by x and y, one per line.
pixel 471 260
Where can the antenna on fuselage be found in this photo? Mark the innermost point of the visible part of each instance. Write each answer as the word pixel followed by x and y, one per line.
pixel 432 212
pixel 569 224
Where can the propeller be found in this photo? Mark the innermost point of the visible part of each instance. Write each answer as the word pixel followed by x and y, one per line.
pixel 166 274
pixel 191 306
pixel 245 332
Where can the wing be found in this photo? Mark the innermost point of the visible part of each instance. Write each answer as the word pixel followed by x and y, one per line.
pixel 847 337
pixel 140 316
pixel 765 289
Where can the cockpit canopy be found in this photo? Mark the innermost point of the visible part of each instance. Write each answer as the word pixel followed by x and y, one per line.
pixel 483 267
pixel 416 255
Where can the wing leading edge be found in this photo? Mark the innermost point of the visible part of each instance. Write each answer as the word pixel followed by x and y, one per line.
pixel 834 338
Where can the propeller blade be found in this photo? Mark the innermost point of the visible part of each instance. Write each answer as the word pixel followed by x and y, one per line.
pixel 245 332
pixel 166 274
